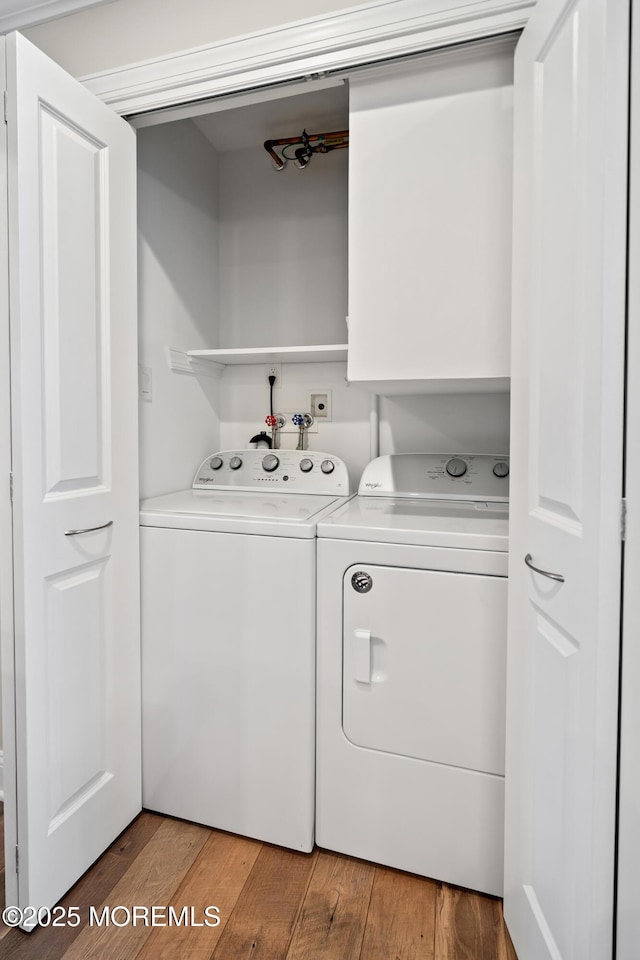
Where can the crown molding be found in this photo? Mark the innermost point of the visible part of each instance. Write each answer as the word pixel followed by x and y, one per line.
pixel 375 31
pixel 17 14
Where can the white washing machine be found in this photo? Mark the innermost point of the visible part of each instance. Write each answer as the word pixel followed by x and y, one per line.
pixel 228 642
pixel 412 615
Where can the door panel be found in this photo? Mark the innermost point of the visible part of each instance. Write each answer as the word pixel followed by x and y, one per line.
pixel 75 312
pixel 554 802
pixel 76 645
pixel 424 666
pixel 559 380
pixel 571 80
pixel 76 740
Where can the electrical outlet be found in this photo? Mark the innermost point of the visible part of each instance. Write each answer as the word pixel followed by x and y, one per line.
pixel 320 405
pixel 273 370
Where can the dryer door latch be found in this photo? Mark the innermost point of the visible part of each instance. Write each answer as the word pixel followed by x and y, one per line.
pixel 362 656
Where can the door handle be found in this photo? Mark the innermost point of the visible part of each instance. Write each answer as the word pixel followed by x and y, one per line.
pixel 362 656
pixel 543 573
pixel 74 533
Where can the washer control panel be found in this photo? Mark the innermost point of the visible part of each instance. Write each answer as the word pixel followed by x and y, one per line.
pixel 296 471
pixel 437 476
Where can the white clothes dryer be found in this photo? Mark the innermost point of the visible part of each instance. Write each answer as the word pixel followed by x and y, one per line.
pixel 228 642
pixel 412 611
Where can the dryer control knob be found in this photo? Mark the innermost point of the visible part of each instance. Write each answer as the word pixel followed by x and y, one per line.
pixel 270 463
pixel 327 466
pixel 235 463
pixel 215 463
pixel 501 469
pixel 456 467
pixel 361 581
pixel 306 465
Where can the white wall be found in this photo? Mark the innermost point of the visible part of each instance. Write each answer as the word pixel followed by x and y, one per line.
pixel 178 300
pixel 128 31
pixel 281 239
pixel 187 213
pixel 455 423
pixel 437 423
pixel 244 398
pixel 283 250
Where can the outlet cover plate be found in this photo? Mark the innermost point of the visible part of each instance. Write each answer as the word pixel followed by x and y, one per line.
pixel 316 398
pixel 276 370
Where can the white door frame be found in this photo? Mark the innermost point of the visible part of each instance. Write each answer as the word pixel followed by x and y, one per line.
pixel 7 775
pixel 373 31
pixel 628 916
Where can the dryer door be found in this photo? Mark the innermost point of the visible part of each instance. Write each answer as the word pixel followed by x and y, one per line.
pixel 424 664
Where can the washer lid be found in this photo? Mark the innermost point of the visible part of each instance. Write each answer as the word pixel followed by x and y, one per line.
pixel 472 525
pixel 271 514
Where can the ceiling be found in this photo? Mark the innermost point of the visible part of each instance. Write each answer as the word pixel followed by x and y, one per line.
pixel 236 128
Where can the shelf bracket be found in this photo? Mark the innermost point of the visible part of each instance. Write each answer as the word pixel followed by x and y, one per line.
pixel 180 362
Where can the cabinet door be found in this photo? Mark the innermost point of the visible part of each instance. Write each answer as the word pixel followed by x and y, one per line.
pixel 74 740
pixel 430 174
pixel 571 84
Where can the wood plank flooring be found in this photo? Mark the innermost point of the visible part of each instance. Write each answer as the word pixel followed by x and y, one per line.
pixel 274 904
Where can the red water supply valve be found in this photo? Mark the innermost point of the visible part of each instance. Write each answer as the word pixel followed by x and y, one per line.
pixel 272 422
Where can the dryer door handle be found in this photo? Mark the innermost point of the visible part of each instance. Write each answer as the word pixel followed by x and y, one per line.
pixel 361 654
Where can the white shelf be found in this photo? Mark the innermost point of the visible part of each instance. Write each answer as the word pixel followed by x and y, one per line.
pixel 323 353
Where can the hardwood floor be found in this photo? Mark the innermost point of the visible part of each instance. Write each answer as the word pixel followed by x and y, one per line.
pixel 274 904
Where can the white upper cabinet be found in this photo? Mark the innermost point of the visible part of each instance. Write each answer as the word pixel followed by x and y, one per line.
pixel 430 182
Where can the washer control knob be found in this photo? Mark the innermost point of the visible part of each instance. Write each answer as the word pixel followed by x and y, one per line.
pixel 270 463
pixel 501 469
pixel 456 467
pixel 235 463
pixel 215 463
pixel 306 465
pixel 327 466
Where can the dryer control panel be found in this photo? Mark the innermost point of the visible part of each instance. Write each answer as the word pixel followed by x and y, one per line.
pixel 296 471
pixel 437 476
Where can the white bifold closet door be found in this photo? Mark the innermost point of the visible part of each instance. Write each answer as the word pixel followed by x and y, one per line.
pixel 74 746
pixel 571 97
